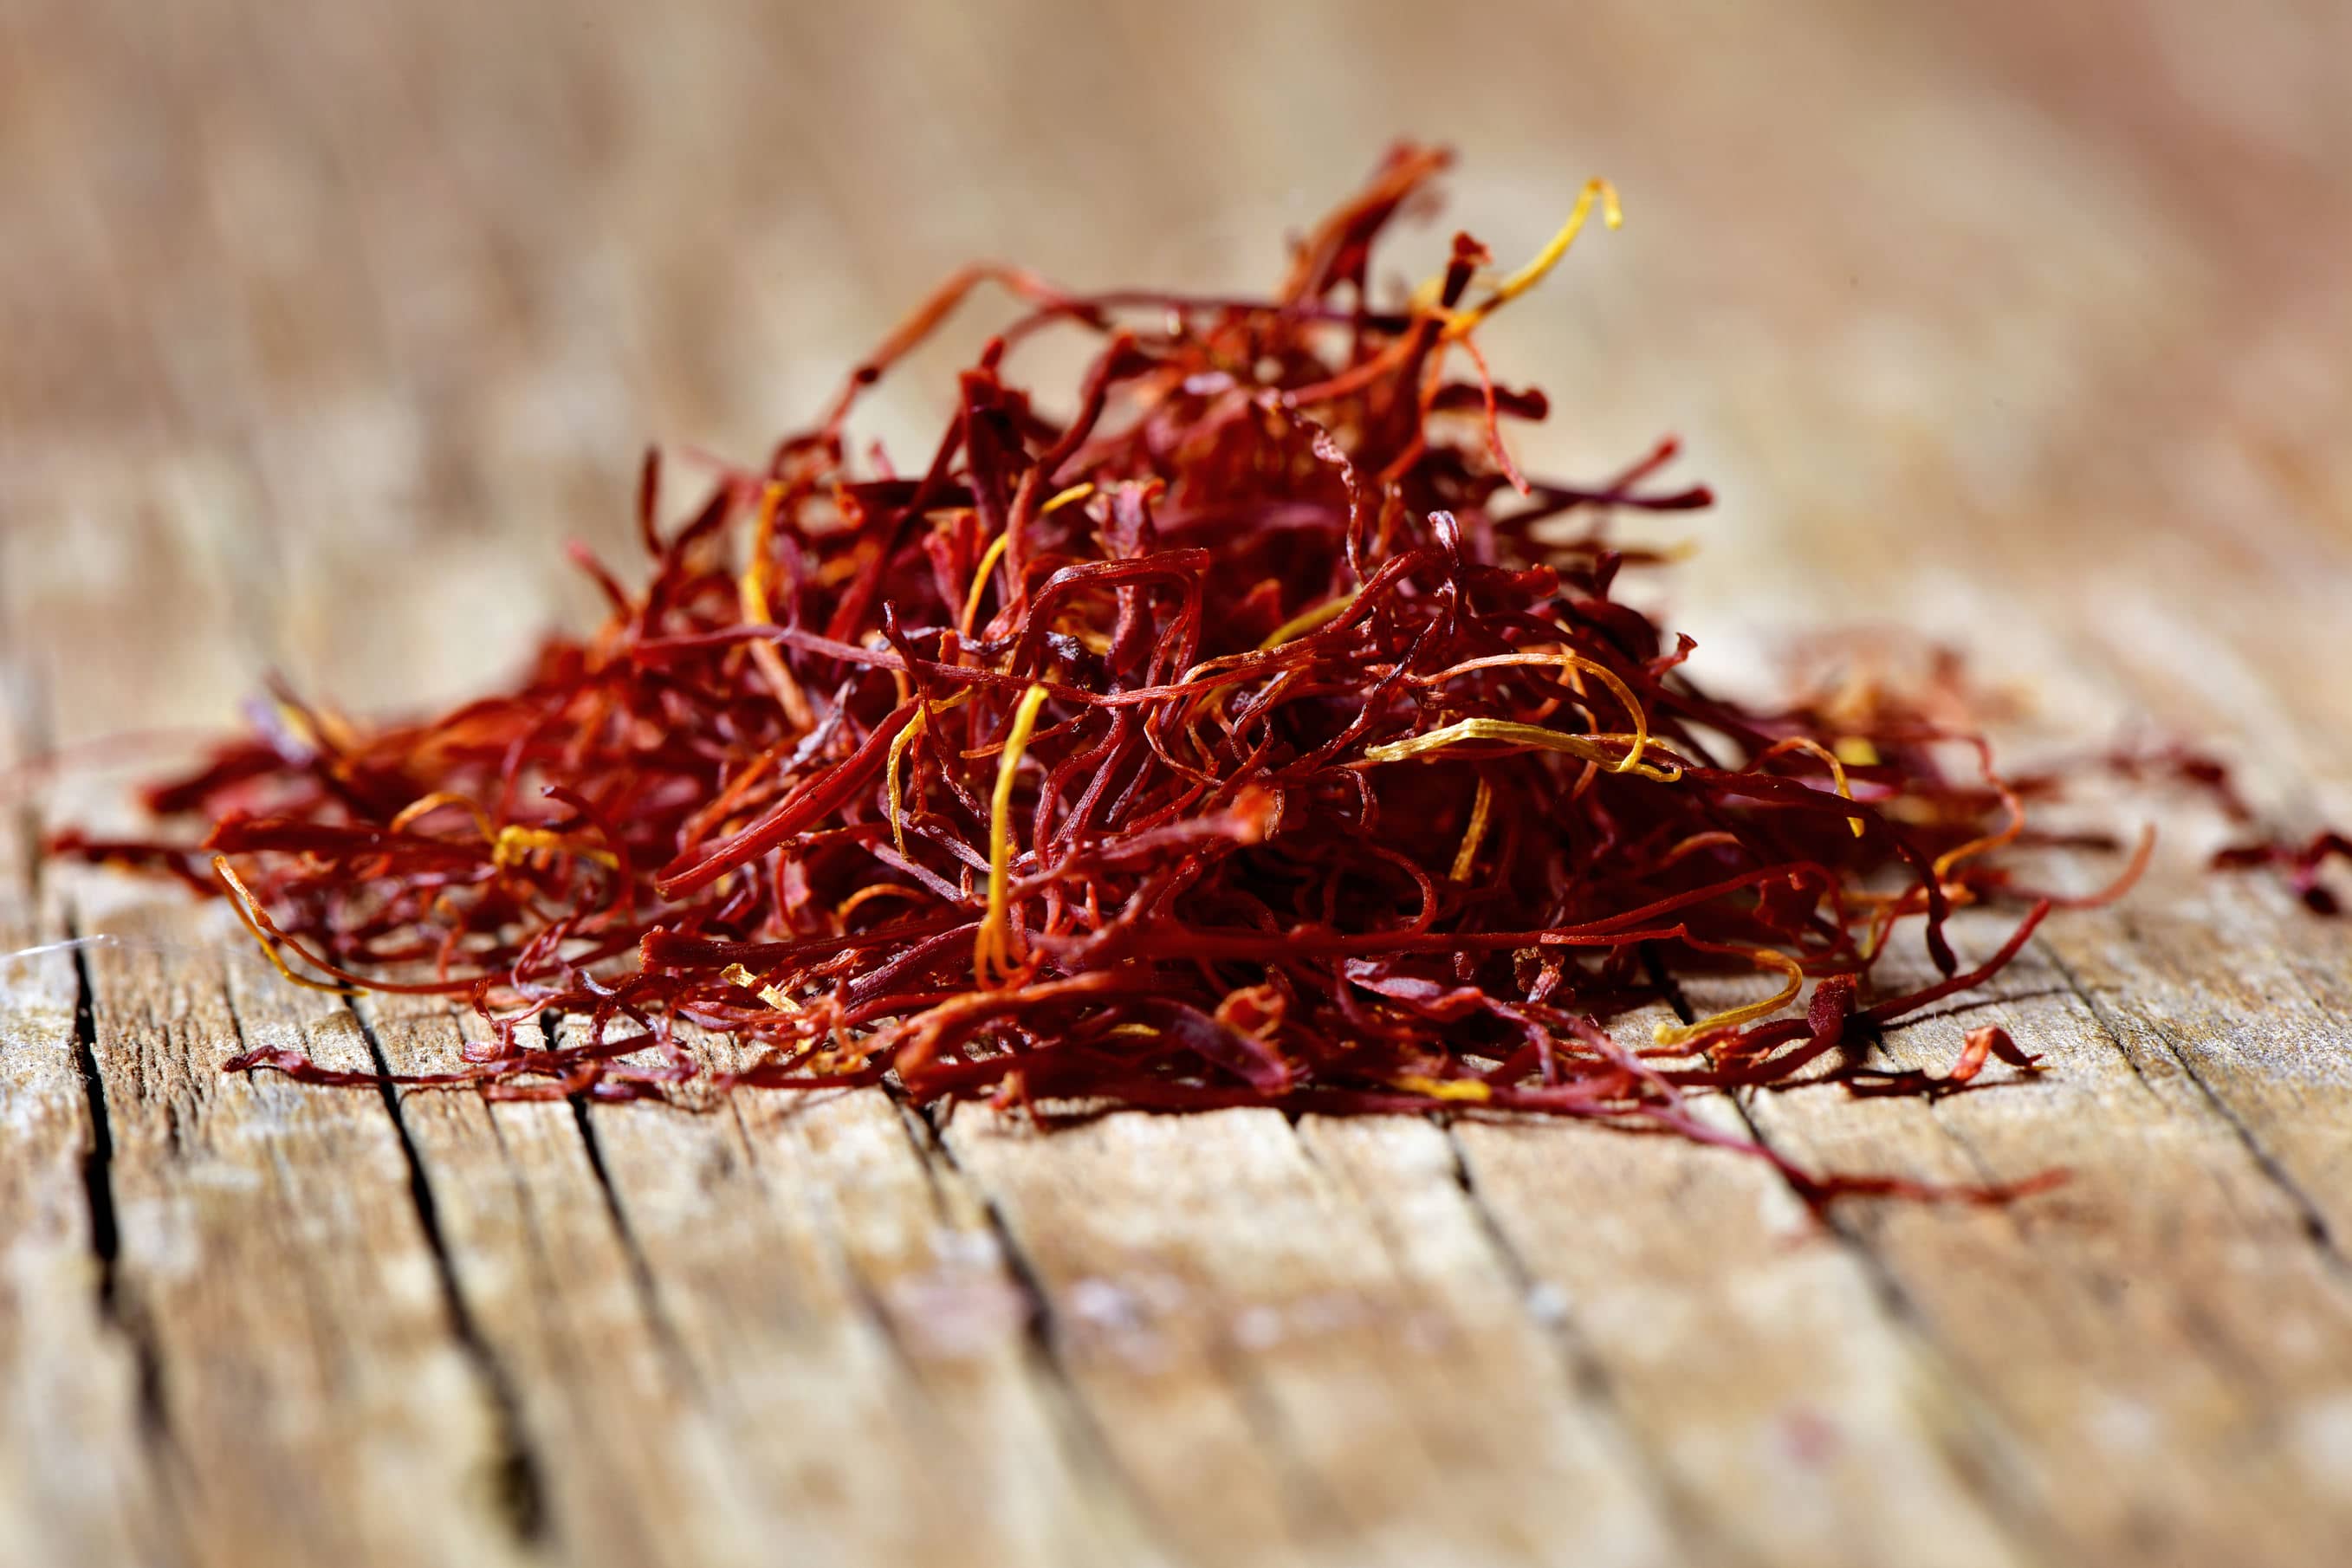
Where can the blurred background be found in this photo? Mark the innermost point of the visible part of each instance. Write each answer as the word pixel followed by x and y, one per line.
pixel 320 325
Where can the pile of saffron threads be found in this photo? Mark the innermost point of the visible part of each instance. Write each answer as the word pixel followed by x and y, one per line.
pixel 1241 727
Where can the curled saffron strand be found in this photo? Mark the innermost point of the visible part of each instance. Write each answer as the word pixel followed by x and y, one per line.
pixel 1604 749
pixel 1792 980
pixel 1577 662
pixel 1829 759
pixel 265 932
pixel 906 737
pixel 989 959
pixel 1550 256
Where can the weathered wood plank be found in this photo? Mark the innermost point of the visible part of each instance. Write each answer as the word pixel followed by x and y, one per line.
pixel 2240 989
pixel 2152 1335
pixel 843 1312
pixel 1751 1354
pixel 2168 1336
pixel 746 1330
pixel 609 1460
pixel 81 1477
pixel 1280 1376
pixel 298 1373
pixel 991 1442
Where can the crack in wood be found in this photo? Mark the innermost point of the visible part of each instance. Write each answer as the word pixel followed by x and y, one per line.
pixel 1335 1183
pixel 120 1312
pixel 1587 1381
pixel 1871 1034
pixel 1969 1454
pixel 641 1271
pixel 118 1307
pixel 516 1472
pixel 2082 993
pixel 920 1132
pixel 2310 1219
pixel 1958 1009
pixel 865 1301
pixel 1080 1430
pixel 1698 1536
pixel 1312 1508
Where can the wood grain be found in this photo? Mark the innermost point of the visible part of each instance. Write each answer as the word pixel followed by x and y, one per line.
pixel 2020 330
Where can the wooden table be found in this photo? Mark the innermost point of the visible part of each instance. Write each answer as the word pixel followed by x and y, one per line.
pixel 2024 326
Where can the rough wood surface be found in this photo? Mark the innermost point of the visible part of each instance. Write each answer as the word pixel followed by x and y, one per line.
pixel 2023 328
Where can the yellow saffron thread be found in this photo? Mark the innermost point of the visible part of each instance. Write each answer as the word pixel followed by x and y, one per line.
pixel 249 911
pixel 872 890
pixel 899 750
pixel 988 560
pixel 752 587
pixel 1764 958
pixel 1829 759
pixel 890 774
pixel 1469 1088
pixel 1573 663
pixel 736 975
pixel 1856 751
pixel 1533 273
pixel 298 722
pixel 515 841
pixel 987 954
pixel 1305 621
pixel 751 590
pixel 2008 833
pixel 1591 748
pixel 440 797
pixel 995 553
pixel 1467 856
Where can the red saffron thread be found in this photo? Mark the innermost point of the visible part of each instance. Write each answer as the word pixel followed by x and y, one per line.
pixel 1255 735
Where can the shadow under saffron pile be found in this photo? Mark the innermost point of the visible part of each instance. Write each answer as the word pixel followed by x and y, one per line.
pixel 1241 727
